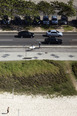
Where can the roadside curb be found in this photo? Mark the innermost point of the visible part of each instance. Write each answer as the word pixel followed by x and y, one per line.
pixel 40 47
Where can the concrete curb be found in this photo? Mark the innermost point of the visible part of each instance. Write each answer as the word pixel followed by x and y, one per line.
pixel 40 47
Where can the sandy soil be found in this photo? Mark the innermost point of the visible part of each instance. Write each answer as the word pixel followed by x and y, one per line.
pixel 23 105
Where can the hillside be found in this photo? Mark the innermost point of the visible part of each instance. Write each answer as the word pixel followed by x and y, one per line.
pixel 36 77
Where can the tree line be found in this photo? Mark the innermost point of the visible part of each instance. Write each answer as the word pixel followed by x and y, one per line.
pixel 22 8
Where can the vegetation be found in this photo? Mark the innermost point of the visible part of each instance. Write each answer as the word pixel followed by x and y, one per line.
pixel 45 8
pixel 35 77
pixel 68 28
pixel 64 9
pixel 47 27
pixel 22 8
pixel 74 68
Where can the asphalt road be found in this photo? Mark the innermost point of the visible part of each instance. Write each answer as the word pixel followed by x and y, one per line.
pixel 69 38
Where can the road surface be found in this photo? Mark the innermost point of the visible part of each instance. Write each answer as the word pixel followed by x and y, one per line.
pixel 69 38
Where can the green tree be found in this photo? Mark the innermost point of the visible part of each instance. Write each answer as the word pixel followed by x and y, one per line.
pixel 3 7
pixel 70 2
pixel 63 8
pixel 8 7
pixel 30 8
pixel 17 7
pixel 45 8
pixel 67 10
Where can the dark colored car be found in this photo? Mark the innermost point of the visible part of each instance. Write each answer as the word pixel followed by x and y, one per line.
pixel 25 34
pixel 5 20
pixel 52 40
pixel 64 20
pixel 27 20
pixel 74 22
pixel 36 20
pixel 17 20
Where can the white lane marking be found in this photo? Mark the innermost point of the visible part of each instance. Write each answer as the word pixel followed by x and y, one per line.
pixel 74 40
pixel 70 34
pixel 8 34
pixel 6 39
pixel 39 40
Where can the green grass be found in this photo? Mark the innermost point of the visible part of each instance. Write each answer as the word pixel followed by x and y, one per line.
pixel 47 27
pixel 7 28
pixel 43 27
pixel 68 28
pixel 35 77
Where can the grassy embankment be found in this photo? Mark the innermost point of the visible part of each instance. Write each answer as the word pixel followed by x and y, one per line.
pixel 36 77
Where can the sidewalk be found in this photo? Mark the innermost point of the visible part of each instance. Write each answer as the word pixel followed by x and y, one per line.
pixel 32 55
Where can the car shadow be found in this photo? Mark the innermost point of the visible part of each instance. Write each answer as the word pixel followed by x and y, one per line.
pixel 44 35
pixel 16 36
pixel 43 42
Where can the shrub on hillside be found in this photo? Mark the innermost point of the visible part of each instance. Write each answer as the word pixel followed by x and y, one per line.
pixel 74 68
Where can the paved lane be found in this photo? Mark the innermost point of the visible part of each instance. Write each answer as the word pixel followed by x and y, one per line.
pixel 10 39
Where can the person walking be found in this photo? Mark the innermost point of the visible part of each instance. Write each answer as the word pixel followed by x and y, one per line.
pixel 7 110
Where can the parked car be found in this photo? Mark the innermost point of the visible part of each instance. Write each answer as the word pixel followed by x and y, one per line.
pixel 53 40
pixel 17 20
pixel 74 22
pixel 25 34
pixel 64 20
pixel 36 20
pixel 54 33
pixel 27 20
pixel 54 20
pixel 46 20
pixel 5 20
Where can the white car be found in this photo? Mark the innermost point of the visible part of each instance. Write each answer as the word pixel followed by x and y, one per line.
pixel 54 33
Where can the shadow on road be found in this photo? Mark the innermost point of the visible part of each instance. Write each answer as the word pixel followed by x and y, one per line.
pixel 44 35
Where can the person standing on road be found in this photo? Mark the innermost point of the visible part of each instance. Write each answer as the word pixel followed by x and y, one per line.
pixel 39 44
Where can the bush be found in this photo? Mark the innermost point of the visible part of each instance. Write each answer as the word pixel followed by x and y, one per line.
pixel 74 69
